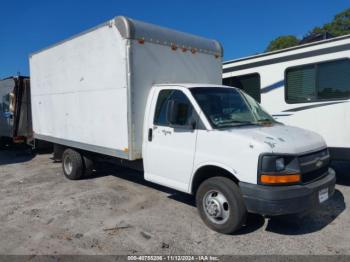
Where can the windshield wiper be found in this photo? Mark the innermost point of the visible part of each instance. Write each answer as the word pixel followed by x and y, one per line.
pixel 236 123
pixel 265 120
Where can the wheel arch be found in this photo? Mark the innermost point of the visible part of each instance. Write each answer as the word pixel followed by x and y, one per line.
pixel 206 171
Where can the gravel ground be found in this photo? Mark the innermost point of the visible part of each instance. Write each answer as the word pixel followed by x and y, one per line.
pixel 117 212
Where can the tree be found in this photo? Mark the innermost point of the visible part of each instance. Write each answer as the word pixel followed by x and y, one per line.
pixel 282 42
pixel 340 25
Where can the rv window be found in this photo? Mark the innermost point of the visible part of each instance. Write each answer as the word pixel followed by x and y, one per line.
pixel 248 83
pixel 334 80
pixel 318 82
pixel 301 84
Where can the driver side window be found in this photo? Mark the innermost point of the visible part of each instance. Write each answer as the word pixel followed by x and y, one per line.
pixel 184 108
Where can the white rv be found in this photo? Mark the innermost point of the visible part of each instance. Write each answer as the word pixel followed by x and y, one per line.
pixel 152 98
pixel 306 86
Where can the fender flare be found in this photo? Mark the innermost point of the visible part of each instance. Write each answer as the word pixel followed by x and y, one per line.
pixel 230 170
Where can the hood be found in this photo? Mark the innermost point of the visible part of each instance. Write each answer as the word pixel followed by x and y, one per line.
pixel 283 138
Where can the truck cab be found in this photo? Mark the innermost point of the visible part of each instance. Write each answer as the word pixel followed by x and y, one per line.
pixel 218 143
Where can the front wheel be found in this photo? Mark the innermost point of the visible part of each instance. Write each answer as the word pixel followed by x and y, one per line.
pixel 220 205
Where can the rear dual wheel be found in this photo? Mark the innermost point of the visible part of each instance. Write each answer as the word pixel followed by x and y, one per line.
pixel 75 165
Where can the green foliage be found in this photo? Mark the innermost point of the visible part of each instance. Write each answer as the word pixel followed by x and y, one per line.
pixel 282 42
pixel 340 25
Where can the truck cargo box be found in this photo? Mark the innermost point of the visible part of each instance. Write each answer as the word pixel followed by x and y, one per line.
pixel 90 91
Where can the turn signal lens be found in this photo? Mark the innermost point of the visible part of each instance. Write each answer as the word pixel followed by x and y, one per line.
pixel 276 179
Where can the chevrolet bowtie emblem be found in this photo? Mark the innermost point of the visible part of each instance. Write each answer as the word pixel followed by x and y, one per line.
pixel 319 163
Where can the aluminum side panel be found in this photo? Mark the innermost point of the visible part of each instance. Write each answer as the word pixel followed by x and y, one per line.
pixel 79 90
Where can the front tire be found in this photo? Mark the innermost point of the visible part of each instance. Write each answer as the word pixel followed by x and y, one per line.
pixel 220 205
pixel 72 164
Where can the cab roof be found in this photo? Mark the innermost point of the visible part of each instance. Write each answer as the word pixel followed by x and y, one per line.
pixel 193 85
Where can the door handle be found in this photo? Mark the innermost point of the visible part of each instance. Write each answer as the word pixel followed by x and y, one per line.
pixel 150 134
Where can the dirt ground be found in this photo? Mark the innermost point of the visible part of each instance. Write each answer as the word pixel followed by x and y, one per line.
pixel 117 212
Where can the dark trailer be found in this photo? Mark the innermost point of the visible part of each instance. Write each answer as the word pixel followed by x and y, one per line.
pixel 15 111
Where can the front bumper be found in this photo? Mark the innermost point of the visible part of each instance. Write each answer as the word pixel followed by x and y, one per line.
pixel 282 200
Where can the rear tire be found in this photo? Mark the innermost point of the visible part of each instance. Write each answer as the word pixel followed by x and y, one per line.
pixel 72 164
pixel 220 205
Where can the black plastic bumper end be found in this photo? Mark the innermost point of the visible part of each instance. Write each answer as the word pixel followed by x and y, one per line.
pixel 283 200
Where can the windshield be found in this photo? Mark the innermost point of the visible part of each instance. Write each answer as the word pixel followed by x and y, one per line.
pixel 227 107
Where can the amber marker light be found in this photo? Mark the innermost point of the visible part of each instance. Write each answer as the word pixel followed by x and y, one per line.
pixel 173 47
pixel 280 179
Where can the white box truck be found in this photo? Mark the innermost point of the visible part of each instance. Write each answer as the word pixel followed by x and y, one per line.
pixel 146 94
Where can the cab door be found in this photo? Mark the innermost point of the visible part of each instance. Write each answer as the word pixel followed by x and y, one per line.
pixel 170 146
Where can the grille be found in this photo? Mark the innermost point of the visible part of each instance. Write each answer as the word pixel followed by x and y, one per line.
pixel 314 175
pixel 314 166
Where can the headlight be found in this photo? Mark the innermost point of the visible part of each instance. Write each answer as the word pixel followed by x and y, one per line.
pixel 277 170
pixel 280 164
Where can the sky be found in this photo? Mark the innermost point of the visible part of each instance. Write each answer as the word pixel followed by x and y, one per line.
pixel 243 27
